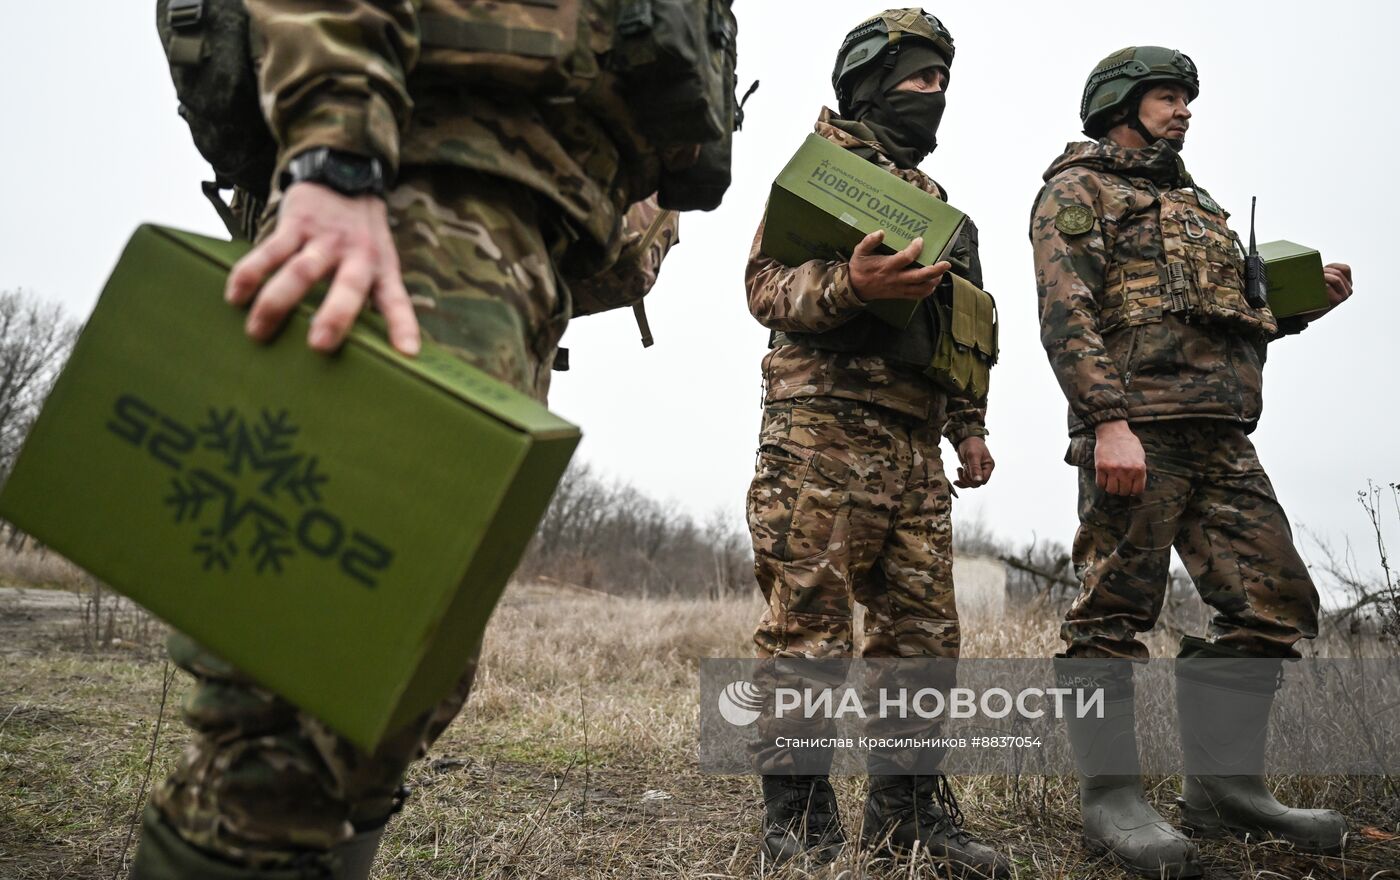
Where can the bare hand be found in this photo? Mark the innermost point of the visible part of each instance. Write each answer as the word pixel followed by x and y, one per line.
pixel 1120 465
pixel 321 233
pixel 892 276
pixel 1338 278
pixel 976 463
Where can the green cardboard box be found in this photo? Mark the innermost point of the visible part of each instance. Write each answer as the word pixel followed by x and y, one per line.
pixel 338 527
pixel 827 199
pixel 1296 285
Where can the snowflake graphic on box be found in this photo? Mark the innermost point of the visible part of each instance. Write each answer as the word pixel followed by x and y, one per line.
pixel 234 501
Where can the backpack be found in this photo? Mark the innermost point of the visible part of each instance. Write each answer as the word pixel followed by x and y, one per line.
pixel 675 58
pixel 648 234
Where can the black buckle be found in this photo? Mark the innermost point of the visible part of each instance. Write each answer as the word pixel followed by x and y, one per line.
pixel 185 13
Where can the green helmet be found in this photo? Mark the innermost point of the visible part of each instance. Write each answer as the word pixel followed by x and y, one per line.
pixel 1117 78
pixel 879 38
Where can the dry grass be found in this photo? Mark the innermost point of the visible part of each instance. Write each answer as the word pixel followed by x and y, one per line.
pixel 575 758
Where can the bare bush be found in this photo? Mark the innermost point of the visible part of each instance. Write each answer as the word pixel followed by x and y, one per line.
pixel 609 536
pixel 35 339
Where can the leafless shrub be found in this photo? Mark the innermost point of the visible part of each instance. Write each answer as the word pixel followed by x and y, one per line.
pixel 1372 590
pixel 26 562
pixel 35 339
pixel 610 536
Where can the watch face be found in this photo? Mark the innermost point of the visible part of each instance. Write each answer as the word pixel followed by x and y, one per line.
pixel 350 173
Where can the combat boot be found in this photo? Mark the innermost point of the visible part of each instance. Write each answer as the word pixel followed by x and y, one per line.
pixel 1118 820
pixel 1223 705
pixel 903 813
pixel 800 819
pixel 164 855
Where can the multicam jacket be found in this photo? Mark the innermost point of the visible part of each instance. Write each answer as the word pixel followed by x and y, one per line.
pixel 365 76
pixel 1142 310
pixel 798 302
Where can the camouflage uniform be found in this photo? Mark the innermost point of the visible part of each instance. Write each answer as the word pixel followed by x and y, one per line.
pixel 497 198
pixel 1143 318
pixel 849 501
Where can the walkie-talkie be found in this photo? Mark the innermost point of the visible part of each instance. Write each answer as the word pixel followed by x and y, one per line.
pixel 1256 277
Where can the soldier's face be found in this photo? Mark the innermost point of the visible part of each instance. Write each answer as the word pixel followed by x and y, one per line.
pixel 928 80
pixel 1164 113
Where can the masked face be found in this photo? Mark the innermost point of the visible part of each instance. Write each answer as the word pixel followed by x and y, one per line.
pixel 904 106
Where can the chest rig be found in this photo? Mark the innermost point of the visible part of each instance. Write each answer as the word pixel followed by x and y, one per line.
pixel 1198 273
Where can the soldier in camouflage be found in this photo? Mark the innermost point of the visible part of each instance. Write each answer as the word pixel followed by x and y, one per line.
pixel 849 502
pixel 1160 352
pixel 456 218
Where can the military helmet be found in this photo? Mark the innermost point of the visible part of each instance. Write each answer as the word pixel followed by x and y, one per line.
pixel 1118 77
pixel 879 37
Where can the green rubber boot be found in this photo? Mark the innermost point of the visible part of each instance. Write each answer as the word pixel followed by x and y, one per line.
pixel 1118 820
pixel 1224 703
pixel 164 855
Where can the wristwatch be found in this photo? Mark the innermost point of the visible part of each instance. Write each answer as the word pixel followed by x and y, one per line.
pixel 349 174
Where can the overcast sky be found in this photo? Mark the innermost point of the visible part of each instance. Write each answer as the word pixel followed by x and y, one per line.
pixel 1296 108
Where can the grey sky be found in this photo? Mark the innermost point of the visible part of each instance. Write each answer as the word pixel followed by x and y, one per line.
pixel 1295 108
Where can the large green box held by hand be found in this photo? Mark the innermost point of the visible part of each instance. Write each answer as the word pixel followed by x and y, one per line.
pixel 340 527
pixel 1296 284
pixel 827 199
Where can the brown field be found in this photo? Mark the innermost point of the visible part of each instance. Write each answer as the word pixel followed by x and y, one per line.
pixel 574 758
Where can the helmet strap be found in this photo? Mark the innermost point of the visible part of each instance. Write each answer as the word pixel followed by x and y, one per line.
pixel 1134 119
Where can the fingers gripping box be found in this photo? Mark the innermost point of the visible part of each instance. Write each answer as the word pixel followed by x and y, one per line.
pixel 340 527
pixel 827 199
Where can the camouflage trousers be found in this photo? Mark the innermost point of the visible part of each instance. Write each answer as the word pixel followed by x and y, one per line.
pixel 1208 496
pixel 849 504
pixel 263 784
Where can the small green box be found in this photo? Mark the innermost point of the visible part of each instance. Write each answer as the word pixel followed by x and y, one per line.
pixel 1296 285
pixel 827 199
pixel 338 527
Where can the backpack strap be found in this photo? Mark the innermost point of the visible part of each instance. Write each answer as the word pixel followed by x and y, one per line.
pixel 211 192
pixel 639 310
pixel 186 19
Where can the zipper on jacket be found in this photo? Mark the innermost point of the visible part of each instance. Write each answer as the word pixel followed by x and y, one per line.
pixel 1128 364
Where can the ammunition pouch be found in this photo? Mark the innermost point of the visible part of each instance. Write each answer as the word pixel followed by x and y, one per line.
pixel 951 339
pixel 966 347
pixel 677 60
pixel 1202 276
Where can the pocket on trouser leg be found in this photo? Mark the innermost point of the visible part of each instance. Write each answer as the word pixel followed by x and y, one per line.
pixel 477 267
pixel 795 500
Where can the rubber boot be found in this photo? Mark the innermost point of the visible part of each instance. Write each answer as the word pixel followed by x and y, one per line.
pixel 1223 704
pixel 800 820
pixel 1118 820
pixel 353 858
pixel 165 855
pixel 903 813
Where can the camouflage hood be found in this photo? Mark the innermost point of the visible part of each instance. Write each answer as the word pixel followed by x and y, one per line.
pixel 1158 163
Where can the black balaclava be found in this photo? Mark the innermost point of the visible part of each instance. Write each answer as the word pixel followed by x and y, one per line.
pixel 905 123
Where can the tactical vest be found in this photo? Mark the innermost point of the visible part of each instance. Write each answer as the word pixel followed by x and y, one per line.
pixel 951 339
pixel 1200 275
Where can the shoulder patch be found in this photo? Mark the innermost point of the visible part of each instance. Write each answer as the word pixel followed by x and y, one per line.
pixel 1208 203
pixel 1074 219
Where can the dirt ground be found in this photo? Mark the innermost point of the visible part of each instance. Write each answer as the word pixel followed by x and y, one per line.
pixel 575 757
